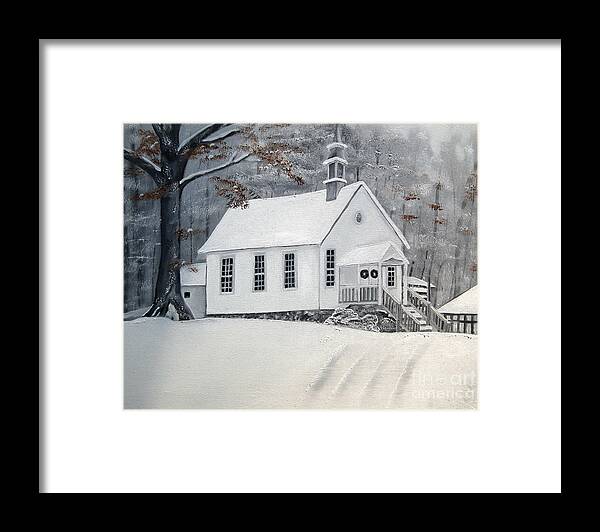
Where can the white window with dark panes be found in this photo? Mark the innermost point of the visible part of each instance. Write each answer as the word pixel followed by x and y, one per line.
pixel 289 270
pixel 227 275
pixel 391 276
pixel 259 273
pixel 330 267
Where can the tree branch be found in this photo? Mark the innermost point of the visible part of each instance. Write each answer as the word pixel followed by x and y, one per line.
pixel 168 135
pixel 199 134
pixel 144 163
pixel 226 131
pixel 210 133
pixel 235 158
pixel 158 129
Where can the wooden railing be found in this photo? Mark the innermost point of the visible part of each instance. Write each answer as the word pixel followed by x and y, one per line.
pixel 359 294
pixel 428 311
pixel 408 322
pixel 390 303
pixel 403 319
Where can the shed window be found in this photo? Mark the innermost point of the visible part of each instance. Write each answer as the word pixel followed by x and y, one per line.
pixel 186 294
pixel 259 273
pixel 227 275
pixel 289 270
pixel 330 267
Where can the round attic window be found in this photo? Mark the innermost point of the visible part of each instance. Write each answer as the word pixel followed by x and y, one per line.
pixel 358 217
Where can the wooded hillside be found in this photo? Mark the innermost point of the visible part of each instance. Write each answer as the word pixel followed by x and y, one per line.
pixel 424 175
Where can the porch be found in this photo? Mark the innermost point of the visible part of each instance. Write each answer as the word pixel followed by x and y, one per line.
pixel 366 270
pixel 378 275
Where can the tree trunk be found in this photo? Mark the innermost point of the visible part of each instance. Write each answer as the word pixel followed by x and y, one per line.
pixel 167 290
pixel 434 242
pixel 207 214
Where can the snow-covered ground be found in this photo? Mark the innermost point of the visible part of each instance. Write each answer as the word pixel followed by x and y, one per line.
pixel 237 363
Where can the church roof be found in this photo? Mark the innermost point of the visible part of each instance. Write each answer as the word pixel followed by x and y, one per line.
pixel 301 219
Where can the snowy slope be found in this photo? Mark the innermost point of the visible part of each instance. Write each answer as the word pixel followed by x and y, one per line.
pixel 236 363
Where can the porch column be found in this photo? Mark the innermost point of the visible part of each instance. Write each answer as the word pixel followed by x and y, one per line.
pixel 380 286
pixel 405 284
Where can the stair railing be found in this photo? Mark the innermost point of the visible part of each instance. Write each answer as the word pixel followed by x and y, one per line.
pixel 403 319
pixel 429 312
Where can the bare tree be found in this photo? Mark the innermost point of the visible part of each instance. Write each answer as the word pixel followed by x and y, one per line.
pixel 163 156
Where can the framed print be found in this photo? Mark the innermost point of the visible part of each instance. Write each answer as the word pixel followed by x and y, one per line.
pixel 300 266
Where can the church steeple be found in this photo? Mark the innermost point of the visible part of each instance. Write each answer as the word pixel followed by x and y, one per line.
pixel 336 165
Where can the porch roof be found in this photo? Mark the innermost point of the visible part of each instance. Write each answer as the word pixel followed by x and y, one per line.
pixel 381 252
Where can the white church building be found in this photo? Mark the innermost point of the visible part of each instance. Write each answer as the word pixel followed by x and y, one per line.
pixel 319 250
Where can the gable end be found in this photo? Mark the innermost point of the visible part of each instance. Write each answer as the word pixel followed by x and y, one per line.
pixel 379 207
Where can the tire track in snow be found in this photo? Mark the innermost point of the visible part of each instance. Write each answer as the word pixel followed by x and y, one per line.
pixel 317 383
pixel 404 377
pixel 376 392
pixel 353 381
pixel 343 382
pixel 366 396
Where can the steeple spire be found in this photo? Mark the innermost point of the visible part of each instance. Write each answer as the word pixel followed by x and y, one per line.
pixel 336 165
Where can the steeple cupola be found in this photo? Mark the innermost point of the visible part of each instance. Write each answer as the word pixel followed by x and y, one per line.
pixel 336 165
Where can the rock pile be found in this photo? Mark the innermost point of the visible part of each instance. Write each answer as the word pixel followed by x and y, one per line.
pixel 350 318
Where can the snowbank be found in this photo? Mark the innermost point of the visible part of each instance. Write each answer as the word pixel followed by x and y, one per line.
pixel 237 363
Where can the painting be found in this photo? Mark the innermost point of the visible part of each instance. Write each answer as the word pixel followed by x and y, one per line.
pixel 300 266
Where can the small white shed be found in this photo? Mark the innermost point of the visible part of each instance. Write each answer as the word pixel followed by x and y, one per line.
pixel 462 311
pixel 193 288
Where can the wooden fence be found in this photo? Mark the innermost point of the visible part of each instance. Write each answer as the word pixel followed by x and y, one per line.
pixel 462 323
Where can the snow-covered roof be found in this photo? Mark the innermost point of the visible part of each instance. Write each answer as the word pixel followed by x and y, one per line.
pixel 301 219
pixel 333 160
pixel 193 274
pixel 415 281
pixel 465 303
pixel 380 252
pixel 336 144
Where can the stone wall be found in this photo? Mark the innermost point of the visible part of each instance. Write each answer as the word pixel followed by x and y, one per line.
pixel 364 317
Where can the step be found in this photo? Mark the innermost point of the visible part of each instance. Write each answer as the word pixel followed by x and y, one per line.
pixel 418 317
pixel 426 328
